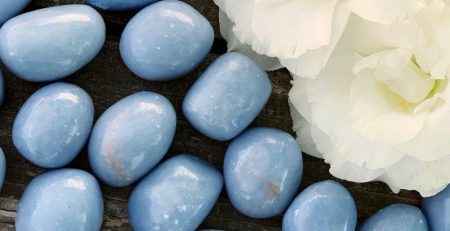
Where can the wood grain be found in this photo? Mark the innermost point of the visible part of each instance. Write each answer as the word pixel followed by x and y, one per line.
pixel 107 80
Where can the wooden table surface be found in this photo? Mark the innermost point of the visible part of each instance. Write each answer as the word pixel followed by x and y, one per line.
pixel 107 80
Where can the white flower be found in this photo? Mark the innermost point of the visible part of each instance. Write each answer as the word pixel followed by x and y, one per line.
pixel 380 109
pixel 302 34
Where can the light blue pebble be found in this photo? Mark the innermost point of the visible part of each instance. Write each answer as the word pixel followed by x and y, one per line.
pixel 227 97
pixel 2 88
pixel 437 210
pixel 396 217
pixel 64 199
pixel 177 195
pixel 131 137
pixel 51 43
pixel 53 125
pixel 326 205
pixel 117 5
pixel 262 170
pixel 2 168
pixel 10 8
pixel 166 40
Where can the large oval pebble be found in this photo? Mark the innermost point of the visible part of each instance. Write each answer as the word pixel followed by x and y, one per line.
pixel 53 125
pixel 227 97
pixel 10 8
pixel 177 195
pixel 437 210
pixel 396 217
pixel 262 169
pixel 2 168
pixel 116 5
pixel 131 137
pixel 326 205
pixel 166 40
pixel 64 199
pixel 51 43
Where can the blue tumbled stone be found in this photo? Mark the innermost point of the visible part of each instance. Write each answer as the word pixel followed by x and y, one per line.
pixel 117 5
pixel 177 195
pixel 262 170
pixel 166 40
pixel 64 199
pixel 437 210
pixel 397 217
pixel 10 8
pixel 227 97
pixel 2 168
pixel 131 137
pixel 51 43
pixel 326 205
pixel 53 125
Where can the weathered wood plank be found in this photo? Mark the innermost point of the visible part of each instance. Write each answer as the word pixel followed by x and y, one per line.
pixel 107 80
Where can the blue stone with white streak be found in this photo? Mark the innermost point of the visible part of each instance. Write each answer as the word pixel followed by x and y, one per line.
pixel 51 43
pixel 63 199
pixel 11 8
pixel 166 40
pixel 177 195
pixel 118 5
pixel 131 137
pixel 396 217
pixel 437 210
pixel 2 168
pixel 325 205
pixel 262 170
pixel 53 125
pixel 227 97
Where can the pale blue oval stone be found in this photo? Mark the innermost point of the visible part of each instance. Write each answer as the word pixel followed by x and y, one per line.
pixel 166 40
pixel 51 43
pixel 396 217
pixel 10 8
pixel 53 125
pixel 262 170
pixel 131 137
pixel 2 168
pixel 117 5
pixel 227 97
pixel 325 205
pixel 63 199
pixel 437 210
pixel 177 195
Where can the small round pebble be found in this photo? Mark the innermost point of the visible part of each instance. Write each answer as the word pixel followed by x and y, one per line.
pixel 227 97
pixel 166 40
pixel 396 217
pixel 325 205
pixel 51 43
pixel 64 199
pixel 117 5
pixel 131 137
pixel 2 168
pixel 10 8
pixel 262 170
pixel 177 195
pixel 437 210
pixel 53 125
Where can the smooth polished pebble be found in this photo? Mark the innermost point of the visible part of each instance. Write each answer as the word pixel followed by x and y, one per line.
pixel 53 125
pixel 227 97
pixel 396 217
pixel 2 88
pixel 10 8
pixel 51 43
pixel 2 168
pixel 262 170
pixel 166 40
pixel 131 137
pixel 117 5
pixel 325 205
pixel 436 210
pixel 177 195
pixel 63 199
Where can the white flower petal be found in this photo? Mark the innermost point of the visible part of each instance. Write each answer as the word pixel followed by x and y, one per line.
pixel 303 130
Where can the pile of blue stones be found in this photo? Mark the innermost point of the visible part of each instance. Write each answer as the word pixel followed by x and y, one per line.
pixel 164 41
